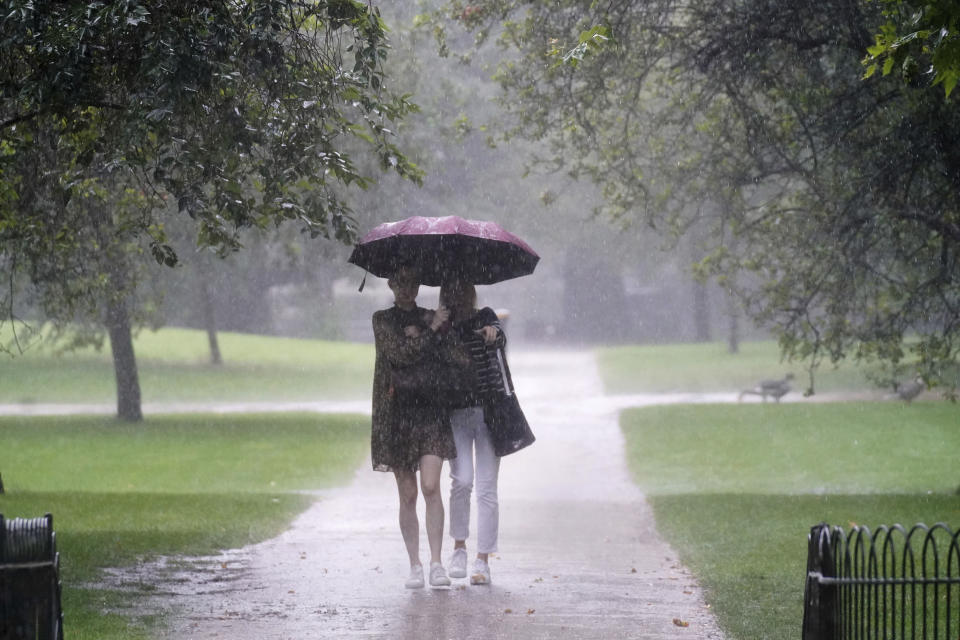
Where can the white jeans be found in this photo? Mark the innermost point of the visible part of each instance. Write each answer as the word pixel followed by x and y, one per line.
pixel 470 434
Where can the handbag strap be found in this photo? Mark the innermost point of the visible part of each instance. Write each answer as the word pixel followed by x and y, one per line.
pixel 504 372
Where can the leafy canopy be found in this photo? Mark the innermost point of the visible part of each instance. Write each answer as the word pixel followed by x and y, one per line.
pixel 238 114
pixel 831 205
pixel 918 38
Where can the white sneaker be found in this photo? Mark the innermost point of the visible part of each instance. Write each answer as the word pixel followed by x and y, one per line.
pixel 415 581
pixel 480 573
pixel 438 575
pixel 458 563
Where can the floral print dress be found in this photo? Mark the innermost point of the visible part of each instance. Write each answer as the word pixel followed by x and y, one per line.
pixel 401 432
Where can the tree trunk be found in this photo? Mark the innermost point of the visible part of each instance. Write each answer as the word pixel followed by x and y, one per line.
pixel 733 312
pixel 209 320
pixel 701 305
pixel 701 311
pixel 124 362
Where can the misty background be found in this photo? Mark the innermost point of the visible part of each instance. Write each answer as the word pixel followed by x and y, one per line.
pixel 597 282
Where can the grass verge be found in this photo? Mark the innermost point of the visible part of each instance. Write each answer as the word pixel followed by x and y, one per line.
pixel 735 489
pixel 705 367
pixel 187 484
pixel 174 367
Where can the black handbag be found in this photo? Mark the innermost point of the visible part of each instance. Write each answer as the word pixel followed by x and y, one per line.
pixel 509 429
pixel 433 381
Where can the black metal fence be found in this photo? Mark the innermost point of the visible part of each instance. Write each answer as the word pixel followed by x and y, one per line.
pixel 29 580
pixel 889 583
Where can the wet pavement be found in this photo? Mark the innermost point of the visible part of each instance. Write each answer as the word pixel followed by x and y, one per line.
pixel 579 555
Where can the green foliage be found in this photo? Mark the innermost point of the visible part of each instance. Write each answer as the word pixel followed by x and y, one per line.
pixel 189 484
pixel 588 42
pixel 918 35
pixel 827 204
pixel 238 115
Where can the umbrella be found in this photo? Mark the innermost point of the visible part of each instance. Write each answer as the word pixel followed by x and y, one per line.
pixel 478 251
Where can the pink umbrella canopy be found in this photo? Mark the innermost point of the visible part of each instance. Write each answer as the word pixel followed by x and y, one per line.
pixel 442 248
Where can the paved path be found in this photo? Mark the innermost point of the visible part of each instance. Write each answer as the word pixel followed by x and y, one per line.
pixel 579 556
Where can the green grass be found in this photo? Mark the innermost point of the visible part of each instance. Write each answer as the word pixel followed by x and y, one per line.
pixel 171 485
pixel 735 489
pixel 749 550
pixel 174 367
pixel 709 367
pixel 796 448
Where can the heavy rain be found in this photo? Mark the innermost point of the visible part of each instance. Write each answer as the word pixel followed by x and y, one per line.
pixel 692 371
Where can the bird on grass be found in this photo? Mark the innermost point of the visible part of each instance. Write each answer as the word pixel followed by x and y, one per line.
pixel 775 389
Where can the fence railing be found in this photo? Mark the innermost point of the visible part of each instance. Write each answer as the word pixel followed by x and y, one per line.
pixel 884 584
pixel 29 580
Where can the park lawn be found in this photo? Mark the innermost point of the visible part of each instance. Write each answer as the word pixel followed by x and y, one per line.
pixel 186 484
pixel 709 367
pixel 174 367
pixel 736 488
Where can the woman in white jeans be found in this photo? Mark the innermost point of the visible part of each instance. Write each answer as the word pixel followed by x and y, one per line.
pixel 476 464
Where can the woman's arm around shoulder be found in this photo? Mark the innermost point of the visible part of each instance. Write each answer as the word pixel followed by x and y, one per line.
pixel 487 317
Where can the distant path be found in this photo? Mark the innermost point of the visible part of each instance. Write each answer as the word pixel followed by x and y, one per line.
pixel 579 555
pixel 160 408
pixel 596 403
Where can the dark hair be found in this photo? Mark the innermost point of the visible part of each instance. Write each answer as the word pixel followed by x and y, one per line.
pixel 409 266
pixel 464 286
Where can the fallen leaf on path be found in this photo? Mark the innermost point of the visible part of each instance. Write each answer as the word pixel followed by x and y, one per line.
pixel 529 611
pixel 508 610
pixel 681 623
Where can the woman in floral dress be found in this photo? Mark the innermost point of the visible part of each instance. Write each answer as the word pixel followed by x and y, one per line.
pixel 410 436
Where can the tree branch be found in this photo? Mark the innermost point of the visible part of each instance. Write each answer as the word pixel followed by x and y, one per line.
pixel 33 114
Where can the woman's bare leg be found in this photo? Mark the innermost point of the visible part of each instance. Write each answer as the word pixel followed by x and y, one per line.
pixel 409 524
pixel 430 467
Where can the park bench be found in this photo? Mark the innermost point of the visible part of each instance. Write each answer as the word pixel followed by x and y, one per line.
pixel 890 583
pixel 29 580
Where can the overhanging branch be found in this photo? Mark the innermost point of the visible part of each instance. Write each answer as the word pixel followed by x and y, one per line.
pixel 33 114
